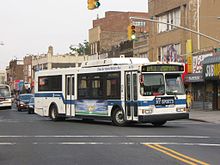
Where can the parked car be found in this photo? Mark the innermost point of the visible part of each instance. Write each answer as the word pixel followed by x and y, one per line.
pixel 23 100
pixel 31 106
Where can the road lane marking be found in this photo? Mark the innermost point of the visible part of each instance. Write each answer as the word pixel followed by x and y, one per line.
pixel 185 144
pixel 103 136
pixel 7 143
pixel 169 154
pixel 176 155
pixel 111 143
pixel 184 156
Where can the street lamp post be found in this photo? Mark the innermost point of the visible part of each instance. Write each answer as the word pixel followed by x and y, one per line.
pixel 180 27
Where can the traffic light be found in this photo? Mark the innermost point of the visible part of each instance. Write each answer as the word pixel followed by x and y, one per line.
pixel 93 4
pixel 131 32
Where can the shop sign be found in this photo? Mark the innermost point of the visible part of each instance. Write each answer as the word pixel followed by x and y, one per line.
pixel 196 77
pixel 189 55
pixel 212 70
pixel 197 62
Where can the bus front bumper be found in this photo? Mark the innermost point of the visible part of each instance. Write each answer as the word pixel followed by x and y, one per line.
pixel 163 117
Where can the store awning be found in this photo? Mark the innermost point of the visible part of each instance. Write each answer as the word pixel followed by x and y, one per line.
pixel 211 60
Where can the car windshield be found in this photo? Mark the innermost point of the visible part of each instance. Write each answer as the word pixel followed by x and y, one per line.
pixel 174 84
pixel 152 85
pixel 32 100
pixel 25 97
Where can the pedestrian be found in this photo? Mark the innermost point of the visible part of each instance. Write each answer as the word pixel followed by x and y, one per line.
pixel 189 99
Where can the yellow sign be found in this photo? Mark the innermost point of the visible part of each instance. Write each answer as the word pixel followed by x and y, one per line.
pixel 189 55
pixel 216 70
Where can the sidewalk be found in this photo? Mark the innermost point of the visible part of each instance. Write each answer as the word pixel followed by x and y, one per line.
pixel 205 116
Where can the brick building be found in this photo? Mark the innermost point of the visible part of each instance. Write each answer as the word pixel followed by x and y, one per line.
pixel 50 61
pixel 28 69
pixel 170 43
pixel 15 73
pixel 192 14
pixel 112 30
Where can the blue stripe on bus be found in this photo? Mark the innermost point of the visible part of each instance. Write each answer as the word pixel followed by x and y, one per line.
pixel 110 102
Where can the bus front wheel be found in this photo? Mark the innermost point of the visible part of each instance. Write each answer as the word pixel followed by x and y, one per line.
pixel 118 118
pixel 159 123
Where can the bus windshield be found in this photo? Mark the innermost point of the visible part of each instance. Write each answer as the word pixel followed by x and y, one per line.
pixel 174 84
pixel 152 85
pixel 4 92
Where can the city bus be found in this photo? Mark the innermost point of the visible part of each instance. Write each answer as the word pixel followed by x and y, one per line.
pixel 122 90
pixel 5 96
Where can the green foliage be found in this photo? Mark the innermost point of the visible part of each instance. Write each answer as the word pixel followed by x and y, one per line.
pixel 81 48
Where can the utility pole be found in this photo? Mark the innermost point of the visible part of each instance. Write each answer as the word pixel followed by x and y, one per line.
pixel 198 24
pixel 180 27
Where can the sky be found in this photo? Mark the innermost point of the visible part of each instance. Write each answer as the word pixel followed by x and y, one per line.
pixel 31 26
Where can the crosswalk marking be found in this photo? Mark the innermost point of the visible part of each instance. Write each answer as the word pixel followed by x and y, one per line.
pixel 112 143
pixel 104 136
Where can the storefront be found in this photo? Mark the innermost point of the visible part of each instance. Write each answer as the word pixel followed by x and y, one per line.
pixel 211 74
pixel 194 81
pixel 197 89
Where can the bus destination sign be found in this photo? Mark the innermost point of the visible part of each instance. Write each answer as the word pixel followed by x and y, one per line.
pixel 162 68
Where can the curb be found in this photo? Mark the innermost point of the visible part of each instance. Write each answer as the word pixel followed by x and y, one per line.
pixel 200 120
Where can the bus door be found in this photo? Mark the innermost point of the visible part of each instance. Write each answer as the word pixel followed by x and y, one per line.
pixel 69 96
pixel 131 104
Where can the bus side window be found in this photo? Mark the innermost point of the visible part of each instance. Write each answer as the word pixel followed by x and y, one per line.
pixel 113 85
pixel 83 86
pixel 96 89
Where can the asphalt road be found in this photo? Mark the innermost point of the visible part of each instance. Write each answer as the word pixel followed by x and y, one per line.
pixel 31 139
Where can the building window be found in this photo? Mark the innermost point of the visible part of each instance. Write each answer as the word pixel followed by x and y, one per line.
pixel 139 23
pixel 170 17
pixel 170 53
pixel 45 66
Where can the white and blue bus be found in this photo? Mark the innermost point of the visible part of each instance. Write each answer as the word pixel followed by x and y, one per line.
pixel 5 96
pixel 119 89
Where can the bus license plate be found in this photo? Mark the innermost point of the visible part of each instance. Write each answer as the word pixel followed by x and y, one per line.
pixel 163 101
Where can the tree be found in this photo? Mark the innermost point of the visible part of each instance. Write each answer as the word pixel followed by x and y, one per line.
pixel 81 48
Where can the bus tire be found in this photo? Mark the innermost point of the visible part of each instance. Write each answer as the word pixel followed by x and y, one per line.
pixel 54 113
pixel 158 123
pixel 118 117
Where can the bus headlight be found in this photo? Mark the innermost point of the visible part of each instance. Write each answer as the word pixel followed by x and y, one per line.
pixel 181 109
pixel 146 111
